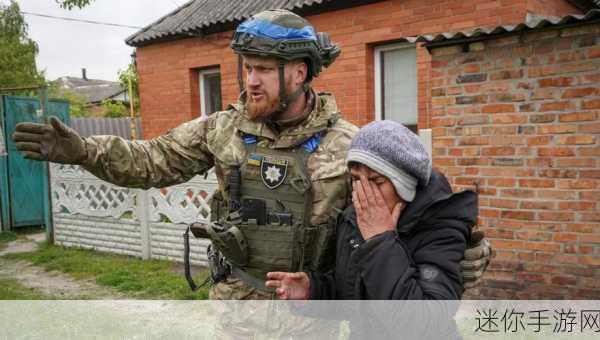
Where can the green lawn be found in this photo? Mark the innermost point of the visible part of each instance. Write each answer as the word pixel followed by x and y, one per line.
pixel 5 237
pixel 13 290
pixel 137 278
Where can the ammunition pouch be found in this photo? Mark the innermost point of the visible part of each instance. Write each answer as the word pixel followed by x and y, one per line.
pixel 229 240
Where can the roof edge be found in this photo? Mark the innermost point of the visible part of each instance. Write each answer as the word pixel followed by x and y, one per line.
pixel 304 9
pixel 483 33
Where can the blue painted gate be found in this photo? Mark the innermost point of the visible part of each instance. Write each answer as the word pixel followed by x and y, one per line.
pixel 24 194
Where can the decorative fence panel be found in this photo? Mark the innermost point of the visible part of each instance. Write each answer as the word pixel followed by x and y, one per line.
pixel 93 214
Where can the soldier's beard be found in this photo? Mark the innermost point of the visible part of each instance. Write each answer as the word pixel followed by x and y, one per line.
pixel 262 109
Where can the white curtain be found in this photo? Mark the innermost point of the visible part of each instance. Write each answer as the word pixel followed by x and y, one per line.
pixel 400 85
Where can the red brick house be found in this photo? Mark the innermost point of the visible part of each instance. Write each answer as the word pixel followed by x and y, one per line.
pixel 514 109
pixel 516 116
pixel 192 44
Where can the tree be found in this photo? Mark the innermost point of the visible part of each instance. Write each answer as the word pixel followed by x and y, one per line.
pixel 17 50
pixel 77 103
pixel 124 75
pixel 114 109
pixel 70 4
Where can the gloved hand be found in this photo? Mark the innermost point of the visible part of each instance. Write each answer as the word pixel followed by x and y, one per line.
pixel 54 142
pixel 477 257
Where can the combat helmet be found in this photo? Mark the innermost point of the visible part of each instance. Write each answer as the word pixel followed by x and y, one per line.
pixel 286 36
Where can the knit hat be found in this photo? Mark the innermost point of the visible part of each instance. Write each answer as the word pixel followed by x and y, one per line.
pixel 395 152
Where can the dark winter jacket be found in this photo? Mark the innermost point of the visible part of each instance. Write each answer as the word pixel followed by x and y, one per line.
pixel 418 261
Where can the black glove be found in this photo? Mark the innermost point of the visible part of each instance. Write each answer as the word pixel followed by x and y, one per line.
pixel 54 142
pixel 477 257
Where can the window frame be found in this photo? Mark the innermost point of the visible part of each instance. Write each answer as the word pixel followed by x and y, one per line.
pixel 377 55
pixel 201 74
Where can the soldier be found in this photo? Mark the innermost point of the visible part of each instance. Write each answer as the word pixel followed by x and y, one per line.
pixel 279 156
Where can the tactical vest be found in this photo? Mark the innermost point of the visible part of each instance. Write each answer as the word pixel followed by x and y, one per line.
pixel 276 202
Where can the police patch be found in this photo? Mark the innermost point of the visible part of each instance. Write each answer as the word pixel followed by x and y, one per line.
pixel 273 171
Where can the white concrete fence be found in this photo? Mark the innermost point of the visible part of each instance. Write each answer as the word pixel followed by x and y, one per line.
pixel 91 213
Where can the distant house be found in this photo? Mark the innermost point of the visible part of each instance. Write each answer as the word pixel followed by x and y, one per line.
pixel 95 91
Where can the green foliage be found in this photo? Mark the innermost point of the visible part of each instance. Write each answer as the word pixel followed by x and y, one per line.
pixel 17 51
pixel 77 103
pixel 124 76
pixel 144 279
pixel 113 109
pixel 70 4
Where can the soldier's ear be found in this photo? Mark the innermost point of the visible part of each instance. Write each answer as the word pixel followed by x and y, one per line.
pixel 300 72
pixel 304 69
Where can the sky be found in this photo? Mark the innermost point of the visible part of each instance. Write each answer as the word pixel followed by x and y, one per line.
pixel 65 47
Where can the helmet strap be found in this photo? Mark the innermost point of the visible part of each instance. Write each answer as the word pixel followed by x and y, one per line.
pixel 284 98
pixel 240 72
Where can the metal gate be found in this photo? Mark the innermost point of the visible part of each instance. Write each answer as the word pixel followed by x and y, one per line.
pixel 25 186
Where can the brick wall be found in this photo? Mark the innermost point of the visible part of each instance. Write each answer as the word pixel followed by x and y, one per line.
pixel 550 7
pixel 168 70
pixel 518 119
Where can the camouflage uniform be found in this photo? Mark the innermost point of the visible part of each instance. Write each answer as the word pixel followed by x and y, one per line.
pixel 198 145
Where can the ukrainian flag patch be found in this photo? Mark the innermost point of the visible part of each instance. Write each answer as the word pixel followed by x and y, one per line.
pixel 254 159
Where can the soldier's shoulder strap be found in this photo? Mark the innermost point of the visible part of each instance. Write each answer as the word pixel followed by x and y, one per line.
pixel 339 135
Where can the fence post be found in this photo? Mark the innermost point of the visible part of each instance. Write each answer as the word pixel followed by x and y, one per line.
pixel 142 206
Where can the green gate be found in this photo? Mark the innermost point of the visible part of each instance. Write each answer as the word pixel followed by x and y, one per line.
pixel 25 186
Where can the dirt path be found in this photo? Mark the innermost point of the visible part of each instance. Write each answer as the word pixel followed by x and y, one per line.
pixel 54 283
pixel 84 307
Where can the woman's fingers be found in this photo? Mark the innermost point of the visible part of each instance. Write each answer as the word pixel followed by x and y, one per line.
pixel 298 275
pixel 273 283
pixel 276 275
pixel 360 193
pixel 366 184
pixel 356 202
pixel 282 294
pixel 378 196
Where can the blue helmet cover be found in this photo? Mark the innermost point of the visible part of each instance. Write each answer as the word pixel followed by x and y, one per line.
pixel 267 29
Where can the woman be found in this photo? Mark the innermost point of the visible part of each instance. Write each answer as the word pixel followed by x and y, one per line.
pixel 405 233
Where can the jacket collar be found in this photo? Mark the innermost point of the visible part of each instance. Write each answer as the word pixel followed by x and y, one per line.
pixel 323 115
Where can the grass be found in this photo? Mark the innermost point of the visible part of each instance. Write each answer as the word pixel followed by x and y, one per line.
pixel 141 279
pixel 6 237
pixel 12 290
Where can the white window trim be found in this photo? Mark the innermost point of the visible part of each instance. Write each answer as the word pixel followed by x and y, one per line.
pixel 377 62
pixel 201 75
pixel 425 135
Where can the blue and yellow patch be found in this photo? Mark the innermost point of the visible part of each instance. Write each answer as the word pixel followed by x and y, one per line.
pixel 254 159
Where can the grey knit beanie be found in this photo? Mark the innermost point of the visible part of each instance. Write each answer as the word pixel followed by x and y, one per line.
pixel 394 151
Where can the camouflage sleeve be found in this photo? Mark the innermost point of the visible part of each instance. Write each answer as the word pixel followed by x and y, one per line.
pixel 165 160
pixel 329 174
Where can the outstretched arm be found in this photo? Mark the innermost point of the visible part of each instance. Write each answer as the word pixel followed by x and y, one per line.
pixel 168 159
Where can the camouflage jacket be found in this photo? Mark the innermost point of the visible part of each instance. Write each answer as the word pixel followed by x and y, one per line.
pixel 196 146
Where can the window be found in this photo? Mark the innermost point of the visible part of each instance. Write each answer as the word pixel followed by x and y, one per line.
pixel 210 91
pixel 396 84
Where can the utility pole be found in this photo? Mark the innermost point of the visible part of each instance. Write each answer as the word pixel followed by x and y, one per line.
pixel 131 107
